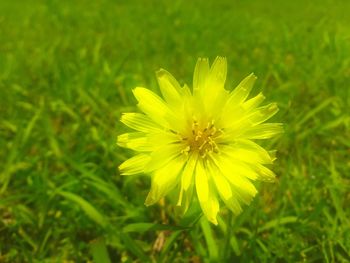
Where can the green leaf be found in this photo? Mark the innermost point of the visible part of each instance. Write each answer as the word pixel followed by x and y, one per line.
pixel 144 227
pixel 133 247
pixel 235 246
pixel 89 209
pixel 192 216
pixel 310 114
pixel 99 251
pixel 168 244
pixel 278 222
pixel 111 191
pixel 209 238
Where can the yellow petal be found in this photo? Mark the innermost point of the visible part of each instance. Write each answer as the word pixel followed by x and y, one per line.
pixel 152 105
pixel 212 208
pixel 253 170
pixel 222 185
pixel 247 151
pixel 139 122
pixel 233 109
pixel 234 205
pixel 216 79
pixel 243 189
pixel 186 188
pixel 241 196
pixel 241 92
pixel 200 75
pixel 185 198
pixel 265 174
pixel 164 180
pixel 202 184
pixel 253 102
pixel 230 166
pixel 162 156
pixel 162 138
pixel 263 113
pixel 136 141
pixel 218 71
pixel 206 196
pixel 242 185
pixel 225 189
pixel 134 165
pixel 272 155
pixel 213 93
pixel 187 175
pixel 263 131
pixel 169 87
pixel 242 117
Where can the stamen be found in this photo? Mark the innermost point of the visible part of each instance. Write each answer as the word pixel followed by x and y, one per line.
pixel 199 135
pixel 201 147
pixel 202 139
pixel 172 131
pixel 186 150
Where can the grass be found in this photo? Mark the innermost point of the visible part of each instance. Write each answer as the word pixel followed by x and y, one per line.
pixel 66 74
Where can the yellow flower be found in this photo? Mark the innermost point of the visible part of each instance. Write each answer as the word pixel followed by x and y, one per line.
pixel 200 140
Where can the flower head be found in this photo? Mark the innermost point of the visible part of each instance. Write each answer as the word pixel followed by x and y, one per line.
pixel 201 140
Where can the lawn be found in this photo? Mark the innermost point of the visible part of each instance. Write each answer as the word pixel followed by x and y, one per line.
pixel 67 70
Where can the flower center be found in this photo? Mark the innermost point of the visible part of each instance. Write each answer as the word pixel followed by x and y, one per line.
pixel 201 139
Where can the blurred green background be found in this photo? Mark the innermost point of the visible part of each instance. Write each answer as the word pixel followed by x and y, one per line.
pixel 66 73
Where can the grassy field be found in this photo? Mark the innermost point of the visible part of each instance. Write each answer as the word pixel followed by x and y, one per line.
pixel 66 74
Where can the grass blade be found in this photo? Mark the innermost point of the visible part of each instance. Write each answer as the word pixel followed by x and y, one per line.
pixel 89 209
pixel 209 238
pixel 144 227
pixel 99 251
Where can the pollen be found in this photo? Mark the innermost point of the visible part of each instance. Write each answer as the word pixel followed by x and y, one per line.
pixel 202 139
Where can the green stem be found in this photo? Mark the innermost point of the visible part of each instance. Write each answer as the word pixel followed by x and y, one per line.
pixel 228 237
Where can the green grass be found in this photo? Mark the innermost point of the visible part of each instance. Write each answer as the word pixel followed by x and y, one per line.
pixel 66 74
